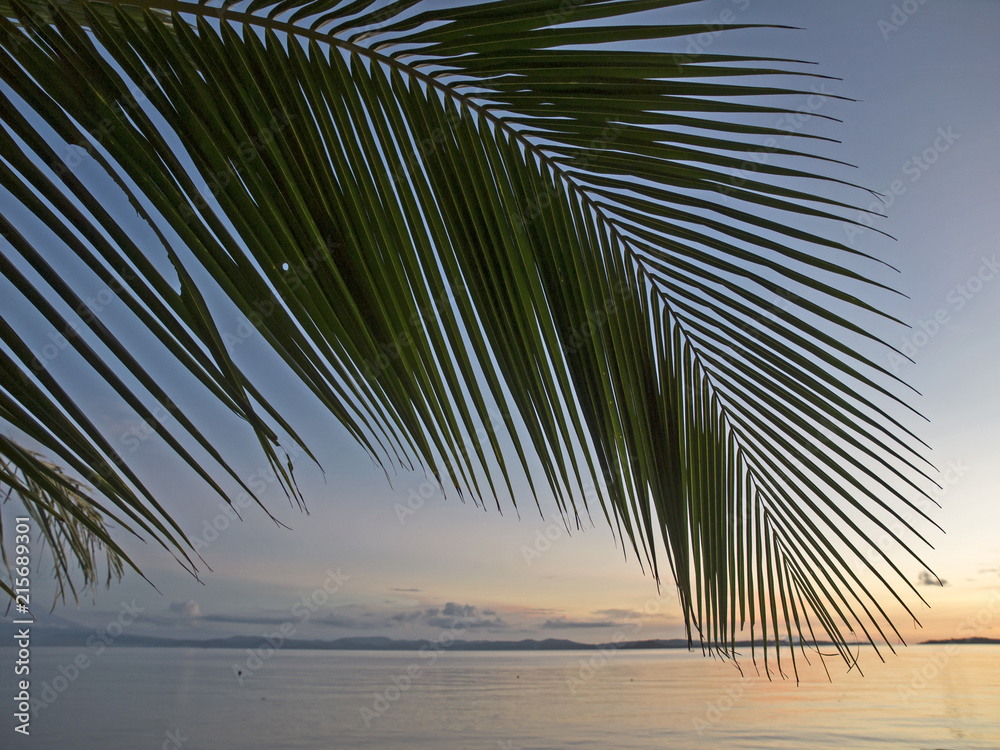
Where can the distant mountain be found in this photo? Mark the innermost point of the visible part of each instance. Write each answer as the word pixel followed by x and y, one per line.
pixel 967 641
pixel 66 633
pixel 59 631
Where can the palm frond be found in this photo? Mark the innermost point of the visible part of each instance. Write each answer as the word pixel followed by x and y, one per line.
pixel 432 213
pixel 70 524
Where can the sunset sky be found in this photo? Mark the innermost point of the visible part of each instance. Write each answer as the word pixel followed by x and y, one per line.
pixel 924 131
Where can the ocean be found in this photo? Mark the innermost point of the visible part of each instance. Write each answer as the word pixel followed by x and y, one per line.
pixel 927 698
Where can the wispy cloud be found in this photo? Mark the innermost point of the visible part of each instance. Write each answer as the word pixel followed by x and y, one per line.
pixel 187 610
pixel 537 611
pixel 926 578
pixel 614 614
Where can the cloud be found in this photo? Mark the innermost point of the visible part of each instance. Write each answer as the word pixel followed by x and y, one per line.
pixel 458 610
pixel 463 616
pixel 405 617
pixel 351 617
pixel 537 611
pixel 188 610
pixel 614 613
pixel 407 591
pixel 452 615
pixel 562 622
pixel 926 578
pixel 493 623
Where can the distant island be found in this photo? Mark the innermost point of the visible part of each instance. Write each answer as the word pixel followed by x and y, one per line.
pixel 966 641
pixel 77 636
pixel 74 637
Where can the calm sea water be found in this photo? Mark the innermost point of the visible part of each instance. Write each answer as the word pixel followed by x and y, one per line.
pixel 925 699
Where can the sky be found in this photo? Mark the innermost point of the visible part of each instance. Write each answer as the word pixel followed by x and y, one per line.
pixel 405 560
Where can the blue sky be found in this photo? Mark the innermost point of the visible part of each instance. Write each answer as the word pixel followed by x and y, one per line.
pixel 410 560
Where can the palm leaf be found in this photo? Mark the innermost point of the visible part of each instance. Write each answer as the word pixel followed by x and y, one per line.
pixel 69 524
pixel 431 215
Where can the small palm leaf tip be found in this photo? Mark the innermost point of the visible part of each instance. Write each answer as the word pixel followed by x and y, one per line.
pixel 486 238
